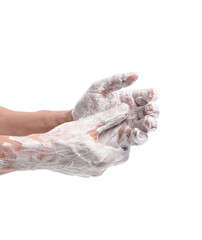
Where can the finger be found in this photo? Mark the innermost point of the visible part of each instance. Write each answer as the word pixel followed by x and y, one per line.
pixel 114 83
pixel 150 109
pixel 143 96
pixel 137 137
pixel 132 137
pixel 124 134
pixel 147 124
pixel 109 118
pixel 125 96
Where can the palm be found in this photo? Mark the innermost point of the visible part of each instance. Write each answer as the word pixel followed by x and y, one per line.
pixel 105 94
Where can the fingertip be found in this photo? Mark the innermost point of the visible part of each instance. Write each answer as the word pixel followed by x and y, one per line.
pixel 129 78
pixel 138 137
pixel 154 94
pixel 140 101
pixel 152 109
pixel 132 75
pixel 150 123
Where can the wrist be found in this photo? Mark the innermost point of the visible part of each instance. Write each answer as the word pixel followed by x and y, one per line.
pixel 31 153
pixel 68 116
pixel 56 118
pixel 8 154
pixel 51 119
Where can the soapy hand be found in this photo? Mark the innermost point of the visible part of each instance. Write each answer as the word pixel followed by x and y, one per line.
pixel 73 148
pixel 105 94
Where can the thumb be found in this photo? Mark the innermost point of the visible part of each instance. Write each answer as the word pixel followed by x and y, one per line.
pixel 110 118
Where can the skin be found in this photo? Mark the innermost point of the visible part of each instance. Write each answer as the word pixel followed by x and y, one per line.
pixel 13 147
pixel 107 93
pixel 15 123
pixel 104 94
pixel 71 148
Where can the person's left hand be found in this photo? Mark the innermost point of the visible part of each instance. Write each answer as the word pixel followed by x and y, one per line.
pixel 104 94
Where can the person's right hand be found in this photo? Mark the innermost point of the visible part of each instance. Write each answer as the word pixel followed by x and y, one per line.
pixel 73 148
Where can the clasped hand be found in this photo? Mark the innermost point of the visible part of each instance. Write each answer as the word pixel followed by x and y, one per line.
pixel 107 121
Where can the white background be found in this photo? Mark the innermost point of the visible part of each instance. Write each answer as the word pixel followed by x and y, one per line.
pixel 50 52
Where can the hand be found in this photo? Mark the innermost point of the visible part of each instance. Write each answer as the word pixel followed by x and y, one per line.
pixel 73 148
pixel 104 94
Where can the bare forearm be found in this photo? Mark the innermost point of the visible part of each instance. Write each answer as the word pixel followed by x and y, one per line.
pixel 16 123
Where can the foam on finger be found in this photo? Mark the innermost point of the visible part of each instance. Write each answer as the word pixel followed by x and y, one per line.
pixel 137 137
pixel 143 96
pixel 148 123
